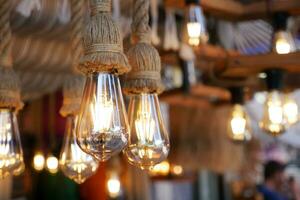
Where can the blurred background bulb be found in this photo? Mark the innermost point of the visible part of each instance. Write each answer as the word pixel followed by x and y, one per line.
pixel 274 121
pixel 149 141
pixel 74 163
pixel 283 42
pixel 290 109
pixel 39 161
pixel 52 164
pixel 114 185
pixel 161 169
pixel 11 154
pixel 196 26
pixel 239 124
pixel 102 128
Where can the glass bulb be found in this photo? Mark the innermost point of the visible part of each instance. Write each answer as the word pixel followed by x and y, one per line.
pixel 239 124
pixel 196 26
pixel 74 163
pixel 11 154
pixel 114 185
pixel 290 109
pixel 283 42
pixel 52 164
pixel 274 121
pixel 149 141
pixel 102 128
pixel 38 161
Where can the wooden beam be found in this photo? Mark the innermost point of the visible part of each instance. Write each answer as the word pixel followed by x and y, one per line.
pixel 233 10
pixel 244 66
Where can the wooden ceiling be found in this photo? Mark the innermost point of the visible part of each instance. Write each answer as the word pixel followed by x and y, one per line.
pixel 237 11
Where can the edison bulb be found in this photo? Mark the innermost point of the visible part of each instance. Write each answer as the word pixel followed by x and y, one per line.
pixel 196 26
pixel 114 185
pixel 239 124
pixel 274 121
pixel 102 128
pixel 149 140
pixel 38 161
pixel 283 42
pixel 290 109
pixel 52 164
pixel 74 163
pixel 11 154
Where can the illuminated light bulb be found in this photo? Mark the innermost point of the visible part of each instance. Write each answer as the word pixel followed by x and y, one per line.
pixel 74 163
pixel 290 109
pixel 149 140
pixel 11 154
pixel 238 125
pixel 38 161
pixel 283 42
pixel 52 164
pixel 161 169
pixel 102 128
pixel 114 186
pixel 274 121
pixel 196 29
pixel 177 170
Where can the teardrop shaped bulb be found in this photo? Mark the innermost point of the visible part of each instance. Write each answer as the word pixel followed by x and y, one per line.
pixel 11 154
pixel 149 140
pixel 274 121
pixel 239 124
pixel 102 129
pixel 74 163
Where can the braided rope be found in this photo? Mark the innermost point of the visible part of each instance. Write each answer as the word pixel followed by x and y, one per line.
pixel 5 33
pixel 140 24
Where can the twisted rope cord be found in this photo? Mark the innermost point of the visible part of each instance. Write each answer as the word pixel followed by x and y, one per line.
pixel 140 24
pixel 5 33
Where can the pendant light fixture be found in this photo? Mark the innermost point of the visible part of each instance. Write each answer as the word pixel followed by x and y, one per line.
pixel 239 129
pixel 274 121
pixel 102 128
pixel 11 155
pixel 195 23
pixel 283 41
pixel 75 163
pixel 148 142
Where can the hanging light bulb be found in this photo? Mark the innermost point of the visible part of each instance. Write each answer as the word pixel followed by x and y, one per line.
pixel 274 121
pixel 11 154
pixel 114 185
pixel 283 41
pixel 52 164
pixel 74 163
pixel 290 109
pixel 196 25
pixel 39 161
pixel 102 129
pixel 149 141
pixel 238 124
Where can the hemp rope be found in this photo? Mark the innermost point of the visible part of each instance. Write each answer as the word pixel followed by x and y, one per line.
pixel 74 84
pixel 144 58
pixel 9 82
pixel 102 42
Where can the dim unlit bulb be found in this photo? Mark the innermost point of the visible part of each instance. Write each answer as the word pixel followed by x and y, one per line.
pixel 196 29
pixel 38 161
pixel 102 128
pixel 238 125
pixel 149 140
pixel 11 154
pixel 74 163
pixel 274 121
